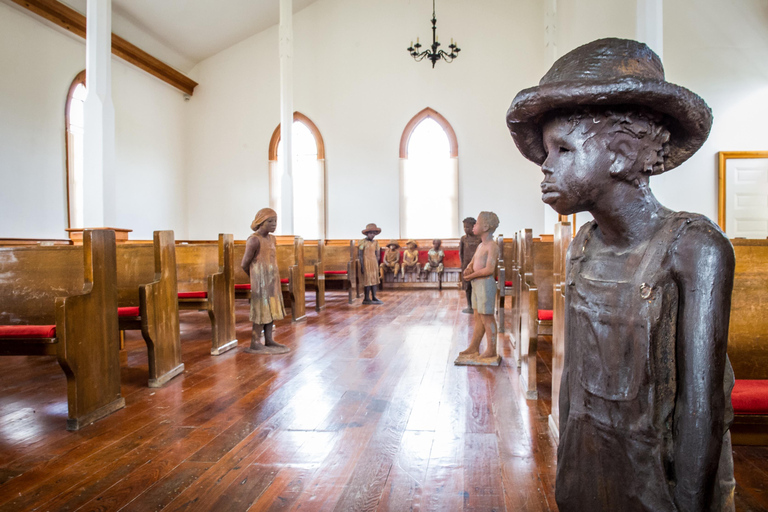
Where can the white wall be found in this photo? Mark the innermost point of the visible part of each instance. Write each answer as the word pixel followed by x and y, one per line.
pixel 37 64
pixel 355 80
pixel 720 51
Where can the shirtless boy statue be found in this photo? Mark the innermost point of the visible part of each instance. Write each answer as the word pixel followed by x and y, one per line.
pixel 480 273
pixel 410 259
pixel 645 401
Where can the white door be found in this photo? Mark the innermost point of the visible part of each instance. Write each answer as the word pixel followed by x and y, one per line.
pixel 746 204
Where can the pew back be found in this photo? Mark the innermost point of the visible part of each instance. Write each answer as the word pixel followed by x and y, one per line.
pixel 562 240
pixel 33 277
pixel 748 328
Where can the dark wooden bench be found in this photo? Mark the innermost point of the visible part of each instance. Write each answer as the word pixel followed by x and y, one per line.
pixel 562 240
pixel 536 266
pixel 62 301
pixel 341 266
pixel 505 272
pixel 147 296
pixel 314 278
pixel 748 342
pixel 290 262
pixel 206 282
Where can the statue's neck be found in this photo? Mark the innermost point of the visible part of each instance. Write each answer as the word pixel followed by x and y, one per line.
pixel 630 215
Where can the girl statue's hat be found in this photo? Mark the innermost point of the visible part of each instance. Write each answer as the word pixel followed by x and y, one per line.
pixel 393 243
pixel 261 216
pixel 605 73
pixel 372 227
pixel 411 242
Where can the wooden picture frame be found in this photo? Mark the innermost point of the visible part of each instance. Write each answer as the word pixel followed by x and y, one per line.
pixel 722 158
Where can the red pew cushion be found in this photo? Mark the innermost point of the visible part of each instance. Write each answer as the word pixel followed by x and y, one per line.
pixel 545 314
pixel 130 311
pixel 27 331
pixel 335 272
pixel 452 259
pixel 750 397
pixel 284 281
pixel 508 284
pixel 309 276
pixel 242 286
pixel 193 295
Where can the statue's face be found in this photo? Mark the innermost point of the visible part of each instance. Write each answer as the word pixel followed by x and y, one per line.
pixel 468 228
pixel 576 171
pixel 271 224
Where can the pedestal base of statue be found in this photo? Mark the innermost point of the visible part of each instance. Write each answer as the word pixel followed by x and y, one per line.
pixel 267 351
pixel 477 361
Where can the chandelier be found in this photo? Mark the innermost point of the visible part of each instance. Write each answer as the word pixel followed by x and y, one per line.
pixel 434 53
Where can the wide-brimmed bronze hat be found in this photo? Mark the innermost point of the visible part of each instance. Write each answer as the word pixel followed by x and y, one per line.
pixel 393 243
pixel 372 227
pixel 610 72
pixel 411 242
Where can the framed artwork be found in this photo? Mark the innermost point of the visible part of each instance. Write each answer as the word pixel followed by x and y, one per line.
pixel 743 193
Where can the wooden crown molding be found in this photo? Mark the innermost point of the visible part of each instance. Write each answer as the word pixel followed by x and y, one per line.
pixel 69 19
pixel 442 121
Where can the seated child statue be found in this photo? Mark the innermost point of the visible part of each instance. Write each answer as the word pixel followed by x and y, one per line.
pixel 391 261
pixel 410 259
pixel 435 257
pixel 260 263
pixel 645 403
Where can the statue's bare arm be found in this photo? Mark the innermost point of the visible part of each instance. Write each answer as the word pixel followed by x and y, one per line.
pixel 703 263
pixel 252 247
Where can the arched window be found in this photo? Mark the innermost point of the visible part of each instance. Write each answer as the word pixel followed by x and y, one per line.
pixel 429 178
pixel 308 177
pixel 73 119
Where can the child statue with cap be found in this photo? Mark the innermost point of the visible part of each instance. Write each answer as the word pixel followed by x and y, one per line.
pixel 391 261
pixel 645 394
pixel 260 263
pixel 410 259
pixel 368 250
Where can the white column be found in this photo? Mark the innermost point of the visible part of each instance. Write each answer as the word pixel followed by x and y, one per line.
pixel 286 115
pixel 550 43
pixel 99 189
pixel 650 26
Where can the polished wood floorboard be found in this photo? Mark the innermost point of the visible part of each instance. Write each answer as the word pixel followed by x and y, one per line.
pixel 366 413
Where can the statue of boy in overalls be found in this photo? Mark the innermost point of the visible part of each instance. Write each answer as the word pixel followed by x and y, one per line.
pixel 645 396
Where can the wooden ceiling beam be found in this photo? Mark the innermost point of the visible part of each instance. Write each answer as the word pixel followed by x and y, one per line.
pixel 71 20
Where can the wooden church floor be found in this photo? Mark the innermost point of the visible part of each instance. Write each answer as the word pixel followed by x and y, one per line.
pixel 366 413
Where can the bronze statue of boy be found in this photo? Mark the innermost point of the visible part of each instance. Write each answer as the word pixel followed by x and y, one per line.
pixel 645 394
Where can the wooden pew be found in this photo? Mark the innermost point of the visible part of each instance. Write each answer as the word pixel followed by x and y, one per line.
pixel 314 255
pixel 748 342
pixel 62 300
pixel 504 272
pixel 535 297
pixel 4 242
pixel 147 296
pixel 562 240
pixel 341 266
pixel 290 262
pixel 206 282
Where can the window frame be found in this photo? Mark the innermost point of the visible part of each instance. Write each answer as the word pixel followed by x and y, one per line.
pixel 79 79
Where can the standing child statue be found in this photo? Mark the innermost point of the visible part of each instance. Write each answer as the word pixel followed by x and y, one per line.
pixel 645 400
pixel 369 263
pixel 391 261
pixel 410 259
pixel 467 247
pixel 435 258
pixel 480 272
pixel 260 263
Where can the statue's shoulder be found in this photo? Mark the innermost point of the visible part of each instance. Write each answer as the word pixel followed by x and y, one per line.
pixel 696 232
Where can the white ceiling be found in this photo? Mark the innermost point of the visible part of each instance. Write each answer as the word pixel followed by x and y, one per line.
pixel 193 29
